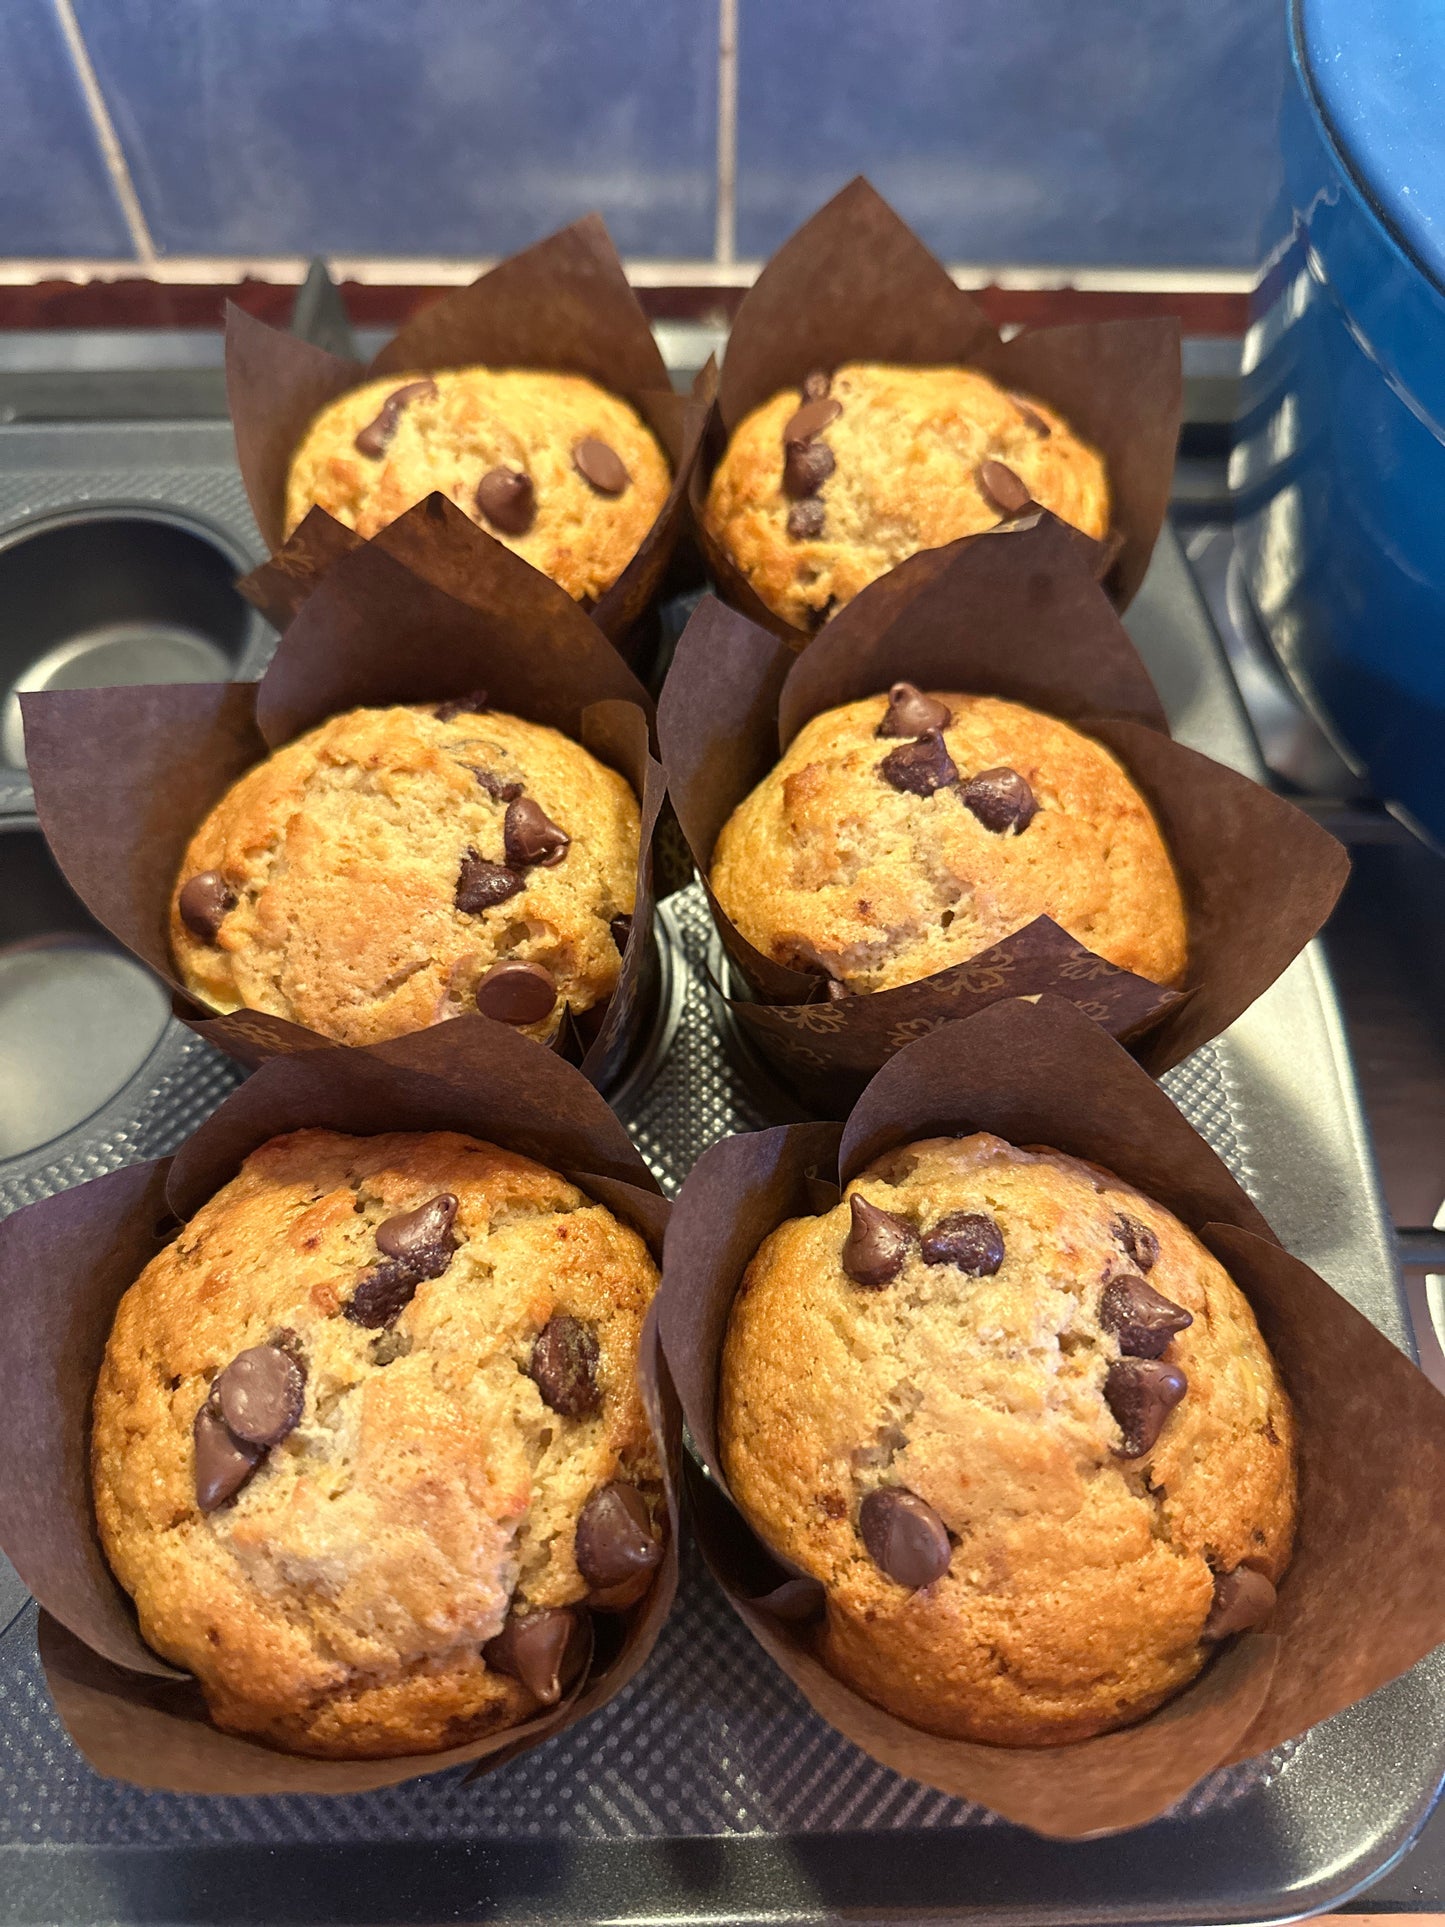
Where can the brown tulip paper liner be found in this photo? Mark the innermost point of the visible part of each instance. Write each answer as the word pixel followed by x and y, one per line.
pixel 562 306
pixel 1018 617
pixel 855 283
pixel 66 1262
pixel 124 777
pixel 1043 1074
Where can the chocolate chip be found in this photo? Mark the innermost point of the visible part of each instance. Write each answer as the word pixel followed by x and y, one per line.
pixel 1001 800
pixel 260 1395
pixel 621 928
pixel 805 521
pixel 375 438
pixel 600 466
pixel 1138 1240
pixel 1031 417
pixel 422 1238
pixel 563 1366
pixel 1003 488
pixel 615 1542
pixel 482 885
pixel 538 1648
pixel 1142 1319
pixel 501 789
pixel 810 420
pixel 383 1294
pixel 1242 1598
pixel 514 992
pixel 971 1240
pixel 223 1464
pixel 920 768
pixel 1141 1393
pixel 877 1246
pixel 506 497
pixel 905 1537
pixel 204 903
pixel 911 713
pixel 806 466
pixel 473 703
pixel 530 836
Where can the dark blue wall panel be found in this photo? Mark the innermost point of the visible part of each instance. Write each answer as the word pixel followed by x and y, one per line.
pixel 55 194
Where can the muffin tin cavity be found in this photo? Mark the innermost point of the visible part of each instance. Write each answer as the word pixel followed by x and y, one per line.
pixel 129 595
pixel 78 1016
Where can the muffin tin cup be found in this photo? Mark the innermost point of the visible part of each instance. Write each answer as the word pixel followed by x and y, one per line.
pixel 64 1265
pixel 1371 1426
pixel 1017 616
pixel 855 283
pixel 375 633
pixel 562 306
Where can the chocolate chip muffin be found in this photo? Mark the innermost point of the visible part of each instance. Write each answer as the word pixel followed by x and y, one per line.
pixel 823 490
pixel 902 834
pixel 565 474
pixel 395 867
pixel 1023 1429
pixel 368 1442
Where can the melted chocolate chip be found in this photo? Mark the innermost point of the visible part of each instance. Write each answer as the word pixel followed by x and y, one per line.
pixel 530 836
pixel 621 928
pixel 1242 1598
pixel 1141 1393
pixel 816 386
pixel 806 521
pixel 204 904
pixel 482 885
pixel 474 703
pixel 1001 800
pixel 422 1238
pixel 1138 1240
pixel 375 438
pixel 1031 417
pixel 971 1240
pixel 383 1294
pixel 563 1366
pixel 810 420
pixel 501 789
pixel 615 1543
pixel 877 1246
pixel 260 1394
pixel 1142 1319
pixel 514 992
pixel 600 467
pixel 1008 494
pixel 538 1648
pixel 223 1464
pixel 911 713
pixel 806 466
pixel 506 497
pixel 904 1536
pixel 920 768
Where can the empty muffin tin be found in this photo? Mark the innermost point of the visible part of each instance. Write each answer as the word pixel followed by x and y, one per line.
pixel 707 1791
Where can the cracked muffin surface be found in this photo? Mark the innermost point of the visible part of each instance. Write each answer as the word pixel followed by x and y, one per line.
pixel 828 865
pixel 334 1597
pixel 373 877
pixel 503 445
pixel 955 1390
pixel 812 511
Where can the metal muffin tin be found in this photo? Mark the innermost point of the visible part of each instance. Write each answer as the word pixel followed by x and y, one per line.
pixel 707 1791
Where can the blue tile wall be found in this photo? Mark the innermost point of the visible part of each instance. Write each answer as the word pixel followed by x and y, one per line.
pixel 412 126
pixel 55 194
pixel 1057 131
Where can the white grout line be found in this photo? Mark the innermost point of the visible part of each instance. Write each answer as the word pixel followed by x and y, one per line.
pixel 105 134
pixel 451 271
pixel 726 232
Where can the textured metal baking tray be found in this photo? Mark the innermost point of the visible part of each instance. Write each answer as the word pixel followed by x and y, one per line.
pixel 708 1791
